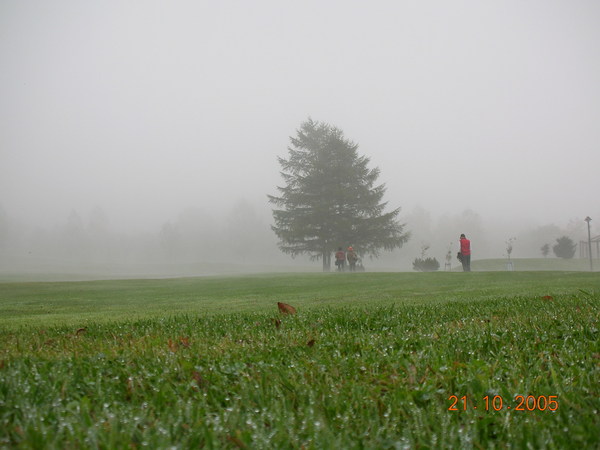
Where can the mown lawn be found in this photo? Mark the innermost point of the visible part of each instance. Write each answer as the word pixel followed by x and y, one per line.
pixel 370 360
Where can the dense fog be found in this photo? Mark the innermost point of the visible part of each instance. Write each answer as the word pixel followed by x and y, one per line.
pixel 198 242
pixel 142 138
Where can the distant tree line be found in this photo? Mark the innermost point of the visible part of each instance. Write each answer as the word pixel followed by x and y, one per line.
pixel 241 236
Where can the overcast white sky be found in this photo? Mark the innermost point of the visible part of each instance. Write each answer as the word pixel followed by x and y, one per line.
pixel 145 108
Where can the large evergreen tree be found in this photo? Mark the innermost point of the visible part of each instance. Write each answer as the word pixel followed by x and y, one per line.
pixel 330 198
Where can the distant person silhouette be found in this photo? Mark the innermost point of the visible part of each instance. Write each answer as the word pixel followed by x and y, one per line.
pixel 352 258
pixel 465 251
pixel 340 259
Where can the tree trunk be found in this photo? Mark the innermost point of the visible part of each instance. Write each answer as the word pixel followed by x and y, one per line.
pixel 326 261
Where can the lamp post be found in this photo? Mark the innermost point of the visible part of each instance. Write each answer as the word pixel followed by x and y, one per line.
pixel 588 219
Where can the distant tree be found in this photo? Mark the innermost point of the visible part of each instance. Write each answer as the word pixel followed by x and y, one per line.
pixel 4 227
pixel 330 198
pixel 509 246
pixel 98 224
pixel 169 240
pixel 545 250
pixel 198 235
pixel 99 235
pixel 75 238
pixel 564 248
pixel 247 236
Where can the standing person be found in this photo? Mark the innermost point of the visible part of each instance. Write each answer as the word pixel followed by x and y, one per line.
pixel 465 250
pixel 340 259
pixel 352 258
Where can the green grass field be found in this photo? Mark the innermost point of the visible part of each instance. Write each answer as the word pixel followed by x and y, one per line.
pixel 535 264
pixel 371 360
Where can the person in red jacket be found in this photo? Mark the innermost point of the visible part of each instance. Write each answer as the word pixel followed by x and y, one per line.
pixel 340 259
pixel 465 250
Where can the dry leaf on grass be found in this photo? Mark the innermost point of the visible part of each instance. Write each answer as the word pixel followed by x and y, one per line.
pixel 173 346
pixel 284 308
pixel 199 379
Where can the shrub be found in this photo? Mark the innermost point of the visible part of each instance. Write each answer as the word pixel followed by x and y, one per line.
pixel 426 264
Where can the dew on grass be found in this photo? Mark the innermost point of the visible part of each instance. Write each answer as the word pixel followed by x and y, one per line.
pixel 404 444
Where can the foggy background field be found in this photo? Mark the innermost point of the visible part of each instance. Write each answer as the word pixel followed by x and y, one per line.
pixel 148 132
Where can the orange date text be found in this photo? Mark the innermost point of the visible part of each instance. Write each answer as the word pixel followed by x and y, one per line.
pixel 497 403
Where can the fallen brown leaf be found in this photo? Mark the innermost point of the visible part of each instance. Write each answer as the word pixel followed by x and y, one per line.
pixel 173 346
pixel 284 308
pixel 199 379
pixel 235 440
